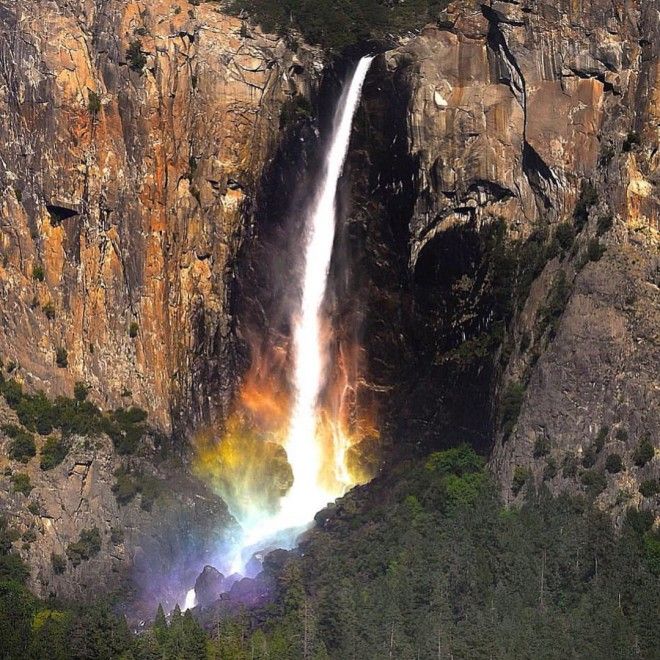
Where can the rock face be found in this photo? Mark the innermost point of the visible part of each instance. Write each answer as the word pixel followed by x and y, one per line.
pixel 502 244
pixel 96 519
pixel 210 584
pixel 134 135
pixel 540 119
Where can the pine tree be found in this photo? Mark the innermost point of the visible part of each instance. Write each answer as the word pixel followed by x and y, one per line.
pixel 160 626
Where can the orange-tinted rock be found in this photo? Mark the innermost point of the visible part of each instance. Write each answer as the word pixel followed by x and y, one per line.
pixel 146 173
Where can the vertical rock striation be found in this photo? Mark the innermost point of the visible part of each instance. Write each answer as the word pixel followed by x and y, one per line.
pixel 134 135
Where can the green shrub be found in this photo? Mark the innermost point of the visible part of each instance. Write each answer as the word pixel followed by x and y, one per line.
pixel 93 103
pixel 136 58
pixel 644 452
pixel 595 250
pixel 459 460
pixel 652 551
pixel 38 272
pixel 599 442
pixel 12 391
pixel 88 545
pixel 34 508
pixel 11 430
pixel 638 521
pixel 613 463
pixel 22 447
pixel 12 569
pixel 565 235
pixel 126 427
pixel 649 487
pixel 151 489
pixel 133 330
pixel 61 357
pixel 569 465
pixel 124 488
pixel 594 481
pixel 37 414
pixel 464 491
pixel 53 453
pixel 80 391
pixel 541 447
pixel 621 435
pixel 21 483
pixel 520 478
pixel 58 563
pixel 512 401
pixel 78 418
pixel 129 484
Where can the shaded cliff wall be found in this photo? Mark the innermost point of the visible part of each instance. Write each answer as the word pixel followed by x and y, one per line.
pixel 126 181
pixel 520 291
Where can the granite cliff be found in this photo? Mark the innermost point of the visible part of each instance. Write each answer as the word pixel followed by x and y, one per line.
pixel 511 217
pixel 501 249
pixel 134 138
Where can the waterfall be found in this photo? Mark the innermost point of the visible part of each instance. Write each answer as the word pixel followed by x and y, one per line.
pixel 305 497
pixel 303 447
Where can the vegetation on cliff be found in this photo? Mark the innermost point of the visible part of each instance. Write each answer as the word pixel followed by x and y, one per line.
pixel 427 561
pixel 39 414
pixel 338 25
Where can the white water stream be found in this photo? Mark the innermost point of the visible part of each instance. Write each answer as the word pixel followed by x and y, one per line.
pixel 303 447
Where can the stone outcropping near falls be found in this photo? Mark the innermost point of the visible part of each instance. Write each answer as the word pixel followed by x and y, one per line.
pixel 133 138
pixel 527 220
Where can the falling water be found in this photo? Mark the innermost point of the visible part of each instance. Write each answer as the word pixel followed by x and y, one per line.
pixel 190 600
pixel 305 497
pixel 302 445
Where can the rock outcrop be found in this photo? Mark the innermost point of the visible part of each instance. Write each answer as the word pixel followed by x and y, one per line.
pixel 89 524
pixel 134 135
pixel 539 120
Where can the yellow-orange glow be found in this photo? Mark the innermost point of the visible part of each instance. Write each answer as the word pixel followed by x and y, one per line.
pixel 247 463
